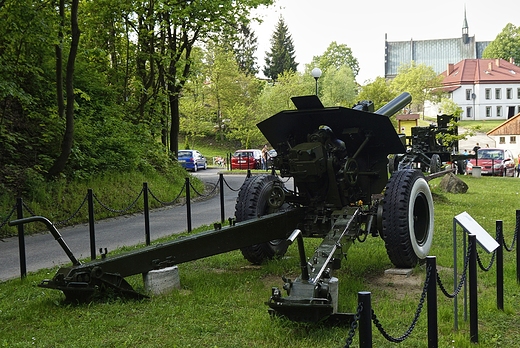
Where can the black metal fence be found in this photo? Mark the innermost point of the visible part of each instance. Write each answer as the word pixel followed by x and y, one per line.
pixel 90 199
pixel 365 314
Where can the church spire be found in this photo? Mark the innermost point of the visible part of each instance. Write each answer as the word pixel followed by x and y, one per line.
pixel 465 28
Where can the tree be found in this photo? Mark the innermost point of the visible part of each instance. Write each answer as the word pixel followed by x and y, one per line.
pixel 68 136
pixel 506 45
pixel 421 81
pixel 245 50
pixel 338 87
pixel 378 91
pixel 336 56
pixel 281 58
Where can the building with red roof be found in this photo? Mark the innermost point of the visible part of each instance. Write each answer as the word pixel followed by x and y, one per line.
pixel 485 89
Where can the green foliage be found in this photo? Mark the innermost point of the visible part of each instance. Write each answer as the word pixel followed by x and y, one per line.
pixel 334 58
pixel 339 87
pixel 203 314
pixel 378 91
pixel 281 57
pixel 506 45
pixel 420 81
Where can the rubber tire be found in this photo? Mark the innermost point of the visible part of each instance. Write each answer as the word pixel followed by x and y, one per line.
pixel 407 218
pixel 205 166
pixel 435 164
pixel 195 167
pixel 252 202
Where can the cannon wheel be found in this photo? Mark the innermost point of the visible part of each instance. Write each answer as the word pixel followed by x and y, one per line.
pixel 256 198
pixel 407 218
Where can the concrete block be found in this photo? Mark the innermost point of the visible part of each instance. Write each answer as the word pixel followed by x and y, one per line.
pixel 399 271
pixel 162 281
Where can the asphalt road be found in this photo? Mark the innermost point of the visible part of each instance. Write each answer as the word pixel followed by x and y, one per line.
pixel 42 251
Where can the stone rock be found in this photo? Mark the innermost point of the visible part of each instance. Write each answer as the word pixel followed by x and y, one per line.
pixel 450 183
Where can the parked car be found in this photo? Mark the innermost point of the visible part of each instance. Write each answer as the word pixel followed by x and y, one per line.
pixel 192 160
pixel 246 159
pixel 498 162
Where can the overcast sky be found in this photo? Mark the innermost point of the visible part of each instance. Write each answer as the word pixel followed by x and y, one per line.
pixel 361 25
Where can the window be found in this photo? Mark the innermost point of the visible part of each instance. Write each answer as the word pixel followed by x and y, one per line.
pixel 498 93
pixel 488 111
pixel 502 140
pixel 468 94
pixel 468 111
pixel 509 93
pixel 518 93
pixel 499 111
pixel 512 139
pixel 488 93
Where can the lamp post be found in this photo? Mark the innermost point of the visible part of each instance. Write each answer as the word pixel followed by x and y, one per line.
pixel 316 73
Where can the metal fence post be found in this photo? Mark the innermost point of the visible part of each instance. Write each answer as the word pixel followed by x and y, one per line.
pixel 517 229
pixel 473 298
pixel 222 212
pixel 500 264
pixel 146 214
pixel 433 336
pixel 21 239
pixel 188 204
pixel 365 320
pixel 91 224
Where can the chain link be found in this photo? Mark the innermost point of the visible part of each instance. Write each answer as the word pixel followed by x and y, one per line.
pixel 2 224
pixel 73 214
pixel 462 277
pixel 486 269
pixel 172 201
pixel 229 187
pixel 517 226
pixel 408 332
pixel 116 210
pixel 354 326
pixel 209 194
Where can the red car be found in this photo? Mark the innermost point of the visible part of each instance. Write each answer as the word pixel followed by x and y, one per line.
pixel 497 162
pixel 246 159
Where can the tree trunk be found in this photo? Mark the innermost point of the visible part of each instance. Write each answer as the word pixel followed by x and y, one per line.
pixel 68 137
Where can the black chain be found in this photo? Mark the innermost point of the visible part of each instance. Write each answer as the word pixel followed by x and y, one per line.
pixel 415 319
pixel 171 202
pixel 462 277
pixel 229 187
pixel 2 224
pixel 354 325
pixel 207 194
pixel 73 214
pixel 517 225
pixel 486 269
pixel 28 209
pixel 116 210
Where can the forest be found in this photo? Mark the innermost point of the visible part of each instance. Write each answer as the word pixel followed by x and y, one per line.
pixel 90 87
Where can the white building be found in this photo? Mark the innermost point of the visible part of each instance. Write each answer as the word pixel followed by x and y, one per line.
pixel 485 89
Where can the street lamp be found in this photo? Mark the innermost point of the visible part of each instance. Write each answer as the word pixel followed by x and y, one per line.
pixel 316 73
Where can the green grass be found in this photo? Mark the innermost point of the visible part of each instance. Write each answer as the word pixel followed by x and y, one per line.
pixel 221 303
pixel 60 201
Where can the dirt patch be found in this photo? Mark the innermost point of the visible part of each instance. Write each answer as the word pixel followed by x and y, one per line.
pixel 400 285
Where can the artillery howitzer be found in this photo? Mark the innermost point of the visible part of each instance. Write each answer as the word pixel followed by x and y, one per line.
pixel 337 158
pixel 429 147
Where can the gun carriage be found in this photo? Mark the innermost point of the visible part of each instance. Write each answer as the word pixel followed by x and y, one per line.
pixel 338 160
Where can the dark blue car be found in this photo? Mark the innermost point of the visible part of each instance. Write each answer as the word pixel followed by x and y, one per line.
pixel 192 160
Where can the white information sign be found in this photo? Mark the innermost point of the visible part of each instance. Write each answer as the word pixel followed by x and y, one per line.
pixel 472 227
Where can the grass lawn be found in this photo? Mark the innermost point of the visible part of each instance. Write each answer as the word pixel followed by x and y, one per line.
pixel 221 302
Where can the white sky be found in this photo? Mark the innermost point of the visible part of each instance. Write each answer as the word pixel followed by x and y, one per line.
pixel 361 25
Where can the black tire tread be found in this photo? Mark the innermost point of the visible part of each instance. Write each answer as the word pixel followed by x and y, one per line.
pixel 252 203
pixel 395 218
